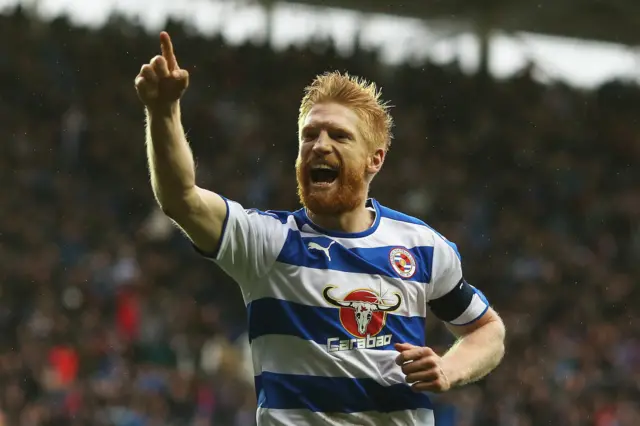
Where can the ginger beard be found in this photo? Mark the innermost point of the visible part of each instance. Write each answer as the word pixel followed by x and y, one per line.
pixel 344 194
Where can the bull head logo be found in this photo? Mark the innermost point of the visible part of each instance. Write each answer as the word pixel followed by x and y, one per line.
pixel 363 309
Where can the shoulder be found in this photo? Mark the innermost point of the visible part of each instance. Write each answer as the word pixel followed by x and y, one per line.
pixel 280 216
pixel 402 223
pixel 252 218
pixel 390 214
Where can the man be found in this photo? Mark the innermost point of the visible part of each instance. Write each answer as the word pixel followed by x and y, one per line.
pixel 337 292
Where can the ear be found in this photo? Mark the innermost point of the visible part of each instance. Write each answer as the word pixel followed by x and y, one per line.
pixel 375 161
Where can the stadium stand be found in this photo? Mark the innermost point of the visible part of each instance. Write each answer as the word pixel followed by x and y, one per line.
pixel 107 317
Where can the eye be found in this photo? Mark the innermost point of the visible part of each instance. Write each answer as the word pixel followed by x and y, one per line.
pixel 309 135
pixel 339 135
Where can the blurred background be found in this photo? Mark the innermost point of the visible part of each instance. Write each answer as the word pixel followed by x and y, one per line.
pixel 517 137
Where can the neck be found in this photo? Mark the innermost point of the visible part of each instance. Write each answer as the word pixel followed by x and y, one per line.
pixel 358 220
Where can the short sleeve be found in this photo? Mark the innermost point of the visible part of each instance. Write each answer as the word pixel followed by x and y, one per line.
pixel 250 243
pixel 452 299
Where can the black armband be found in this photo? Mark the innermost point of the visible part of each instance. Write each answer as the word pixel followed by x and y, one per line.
pixel 463 304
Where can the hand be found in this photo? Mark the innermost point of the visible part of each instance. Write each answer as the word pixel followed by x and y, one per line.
pixel 423 368
pixel 161 83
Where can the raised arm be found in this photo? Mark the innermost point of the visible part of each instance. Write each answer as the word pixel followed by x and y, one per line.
pixel 200 213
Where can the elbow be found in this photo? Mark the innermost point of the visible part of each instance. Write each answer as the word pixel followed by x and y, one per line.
pixel 168 207
pixel 175 211
pixel 170 211
pixel 501 331
pixel 177 207
pixel 500 353
pixel 500 338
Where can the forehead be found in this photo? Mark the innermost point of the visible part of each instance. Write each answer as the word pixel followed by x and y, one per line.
pixel 332 114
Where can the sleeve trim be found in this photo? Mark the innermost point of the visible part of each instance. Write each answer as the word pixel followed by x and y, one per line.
pixel 486 308
pixel 215 254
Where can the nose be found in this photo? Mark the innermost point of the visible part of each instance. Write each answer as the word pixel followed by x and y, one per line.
pixel 322 145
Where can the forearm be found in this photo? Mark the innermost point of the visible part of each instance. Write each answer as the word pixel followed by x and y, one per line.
pixel 171 164
pixel 475 355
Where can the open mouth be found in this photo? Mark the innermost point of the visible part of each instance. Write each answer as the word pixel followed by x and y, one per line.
pixel 323 174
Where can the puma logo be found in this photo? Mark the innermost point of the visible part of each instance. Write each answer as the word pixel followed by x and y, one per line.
pixel 315 246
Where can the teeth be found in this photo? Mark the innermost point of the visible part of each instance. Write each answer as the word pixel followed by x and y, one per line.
pixel 323 167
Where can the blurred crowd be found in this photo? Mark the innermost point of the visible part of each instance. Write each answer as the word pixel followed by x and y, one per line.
pixel 107 317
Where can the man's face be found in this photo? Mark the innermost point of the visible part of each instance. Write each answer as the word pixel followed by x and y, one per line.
pixel 334 161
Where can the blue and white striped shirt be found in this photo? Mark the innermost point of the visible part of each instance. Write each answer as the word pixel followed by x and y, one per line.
pixel 325 309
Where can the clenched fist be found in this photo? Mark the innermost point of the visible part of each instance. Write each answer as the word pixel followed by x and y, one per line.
pixel 161 82
pixel 423 368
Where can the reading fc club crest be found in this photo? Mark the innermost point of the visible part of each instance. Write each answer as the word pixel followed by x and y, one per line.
pixel 402 262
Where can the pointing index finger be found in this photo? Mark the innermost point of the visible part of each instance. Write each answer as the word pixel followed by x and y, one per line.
pixel 167 51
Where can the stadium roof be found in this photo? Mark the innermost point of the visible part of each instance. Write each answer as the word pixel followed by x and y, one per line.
pixel 605 20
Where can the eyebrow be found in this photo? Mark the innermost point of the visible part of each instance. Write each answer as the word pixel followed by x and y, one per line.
pixel 329 126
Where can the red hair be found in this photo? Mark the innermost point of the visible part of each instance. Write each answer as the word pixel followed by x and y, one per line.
pixel 362 96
